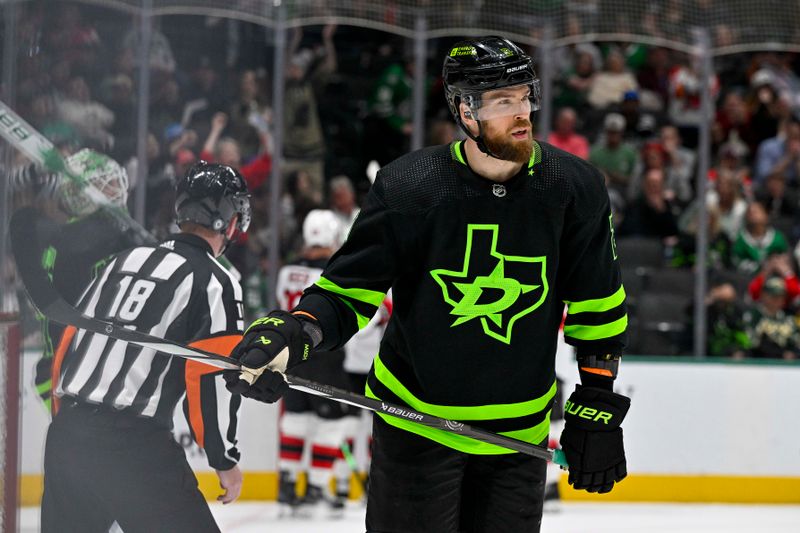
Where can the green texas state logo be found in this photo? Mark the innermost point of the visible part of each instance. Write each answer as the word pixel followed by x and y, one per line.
pixel 494 288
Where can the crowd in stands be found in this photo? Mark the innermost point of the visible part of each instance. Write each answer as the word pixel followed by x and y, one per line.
pixel 631 110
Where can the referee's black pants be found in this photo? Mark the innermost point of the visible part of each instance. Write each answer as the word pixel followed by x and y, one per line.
pixel 419 486
pixel 101 466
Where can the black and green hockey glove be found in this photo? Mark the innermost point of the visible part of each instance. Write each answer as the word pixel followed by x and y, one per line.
pixel 592 438
pixel 270 346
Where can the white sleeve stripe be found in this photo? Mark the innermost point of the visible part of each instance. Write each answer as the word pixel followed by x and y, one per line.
pixel 88 364
pixel 112 366
pixel 90 308
pixel 167 267
pixel 223 415
pixel 237 287
pixel 216 307
pixel 152 404
pixel 136 258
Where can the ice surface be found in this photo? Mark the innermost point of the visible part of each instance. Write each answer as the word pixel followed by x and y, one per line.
pixel 246 517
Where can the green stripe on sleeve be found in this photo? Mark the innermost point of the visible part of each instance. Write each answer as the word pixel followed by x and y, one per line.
pixel 599 305
pixel 373 298
pixel 592 333
pixel 361 320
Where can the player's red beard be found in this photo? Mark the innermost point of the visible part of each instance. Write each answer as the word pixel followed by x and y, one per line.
pixel 505 147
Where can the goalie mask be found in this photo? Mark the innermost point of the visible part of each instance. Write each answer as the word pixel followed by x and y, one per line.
pixel 210 195
pixel 475 66
pixel 99 171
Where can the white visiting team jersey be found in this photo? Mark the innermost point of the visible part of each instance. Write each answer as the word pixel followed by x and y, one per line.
pixel 292 280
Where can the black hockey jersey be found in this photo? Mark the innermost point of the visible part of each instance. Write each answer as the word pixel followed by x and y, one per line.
pixel 480 273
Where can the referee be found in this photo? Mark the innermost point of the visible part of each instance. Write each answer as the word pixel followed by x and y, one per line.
pixel 110 453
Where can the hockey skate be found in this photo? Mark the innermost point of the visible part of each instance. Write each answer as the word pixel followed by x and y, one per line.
pixel 288 500
pixel 318 503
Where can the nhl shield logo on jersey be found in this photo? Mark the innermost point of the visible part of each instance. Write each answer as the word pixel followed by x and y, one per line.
pixel 494 288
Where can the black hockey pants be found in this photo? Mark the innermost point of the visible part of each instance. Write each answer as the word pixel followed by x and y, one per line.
pixel 417 485
pixel 102 466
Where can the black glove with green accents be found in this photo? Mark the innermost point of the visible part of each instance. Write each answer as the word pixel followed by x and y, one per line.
pixel 270 346
pixel 592 438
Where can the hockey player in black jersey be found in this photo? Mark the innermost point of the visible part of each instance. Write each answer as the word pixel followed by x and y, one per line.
pixel 483 243
pixel 78 236
pixel 110 453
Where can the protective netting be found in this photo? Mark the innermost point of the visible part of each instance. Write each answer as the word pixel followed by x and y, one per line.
pixel 735 25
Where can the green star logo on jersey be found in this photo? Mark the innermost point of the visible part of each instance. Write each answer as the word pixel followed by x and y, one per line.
pixel 494 288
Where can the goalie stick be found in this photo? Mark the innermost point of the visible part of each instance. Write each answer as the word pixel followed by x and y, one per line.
pixel 39 149
pixel 50 303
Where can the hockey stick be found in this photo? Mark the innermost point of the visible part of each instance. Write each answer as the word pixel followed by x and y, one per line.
pixel 352 464
pixel 39 149
pixel 50 303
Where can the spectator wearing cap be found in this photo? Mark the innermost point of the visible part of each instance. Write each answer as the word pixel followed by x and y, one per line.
pixel 616 158
pixel 564 136
pixel 610 85
pixel 777 265
pixel 773 333
pixel 640 124
pixel 780 154
pixel 756 240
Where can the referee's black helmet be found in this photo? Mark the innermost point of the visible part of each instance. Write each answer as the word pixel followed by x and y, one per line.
pixel 210 195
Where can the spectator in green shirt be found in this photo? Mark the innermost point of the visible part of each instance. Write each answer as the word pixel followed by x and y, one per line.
pixel 756 240
pixel 613 156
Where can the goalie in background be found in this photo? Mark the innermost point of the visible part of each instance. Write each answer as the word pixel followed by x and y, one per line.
pixel 79 236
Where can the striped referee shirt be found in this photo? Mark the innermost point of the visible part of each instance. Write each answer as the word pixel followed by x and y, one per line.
pixel 176 291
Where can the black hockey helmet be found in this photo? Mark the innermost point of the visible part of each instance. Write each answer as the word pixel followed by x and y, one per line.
pixel 210 195
pixel 474 66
